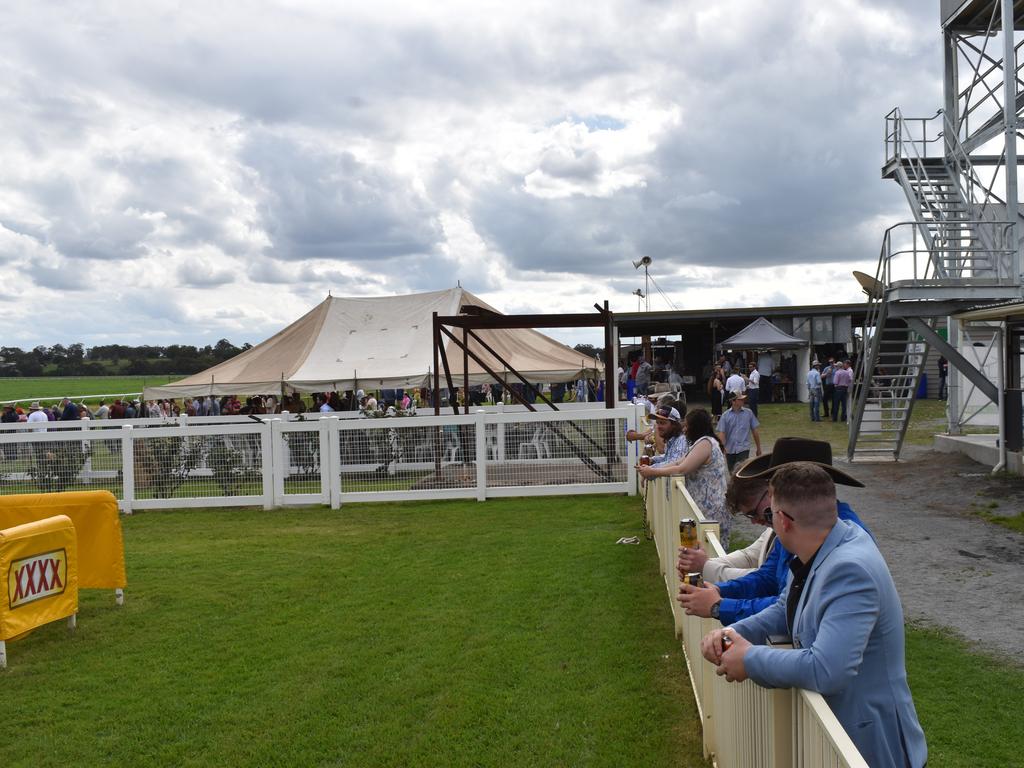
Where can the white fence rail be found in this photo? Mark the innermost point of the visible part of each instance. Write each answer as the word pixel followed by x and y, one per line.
pixel 744 724
pixel 275 461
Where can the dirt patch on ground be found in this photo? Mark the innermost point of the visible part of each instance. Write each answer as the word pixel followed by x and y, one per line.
pixel 953 568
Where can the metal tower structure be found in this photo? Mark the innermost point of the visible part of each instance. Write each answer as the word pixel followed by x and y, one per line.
pixel 963 249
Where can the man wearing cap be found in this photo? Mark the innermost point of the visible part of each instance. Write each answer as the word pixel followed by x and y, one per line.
pixel 748 497
pixel 842 611
pixel 744 596
pixel 669 425
pixel 664 399
pixel 814 390
pixel 735 428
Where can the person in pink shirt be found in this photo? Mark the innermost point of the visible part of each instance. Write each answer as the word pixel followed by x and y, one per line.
pixel 842 380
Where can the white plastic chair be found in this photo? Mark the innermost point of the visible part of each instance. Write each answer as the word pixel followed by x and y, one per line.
pixel 538 443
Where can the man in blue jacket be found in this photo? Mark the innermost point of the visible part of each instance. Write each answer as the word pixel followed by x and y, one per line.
pixel 738 598
pixel 842 611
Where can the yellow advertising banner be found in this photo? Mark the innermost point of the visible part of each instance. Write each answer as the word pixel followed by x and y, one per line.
pixel 38 574
pixel 97 522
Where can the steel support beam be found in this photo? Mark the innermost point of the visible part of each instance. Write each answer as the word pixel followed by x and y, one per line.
pixel 479 361
pixel 961 363
pixel 486 321
pixel 1010 107
pixel 1013 408
pixel 478 318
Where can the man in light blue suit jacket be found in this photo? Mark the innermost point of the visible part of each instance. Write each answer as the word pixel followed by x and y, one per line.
pixel 842 611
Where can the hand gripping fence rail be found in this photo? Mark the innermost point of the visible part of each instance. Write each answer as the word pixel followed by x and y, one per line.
pixel 744 724
pixel 273 461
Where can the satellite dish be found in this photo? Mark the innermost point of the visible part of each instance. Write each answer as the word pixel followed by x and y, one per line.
pixel 872 287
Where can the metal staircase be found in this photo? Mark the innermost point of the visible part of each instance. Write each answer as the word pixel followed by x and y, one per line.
pixel 955 254
pixel 887 375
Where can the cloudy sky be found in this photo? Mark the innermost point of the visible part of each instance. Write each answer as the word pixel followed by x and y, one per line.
pixel 179 172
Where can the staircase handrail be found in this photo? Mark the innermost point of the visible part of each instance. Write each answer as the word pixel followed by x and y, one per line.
pixel 903 143
pixel 903 139
pixel 898 136
pixel 999 231
pixel 867 358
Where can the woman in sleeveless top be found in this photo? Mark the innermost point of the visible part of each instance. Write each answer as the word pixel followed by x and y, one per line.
pixel 705 470
pixel 715 389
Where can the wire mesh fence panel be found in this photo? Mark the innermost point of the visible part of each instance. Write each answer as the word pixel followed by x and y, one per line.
pixel 544 450
pixel 401 455
pixel 301 460
pixel 175 464
pixel 54 461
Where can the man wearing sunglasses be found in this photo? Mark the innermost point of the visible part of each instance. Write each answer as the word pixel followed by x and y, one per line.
pixel 744 595
pixel 841 608
pixel 750 499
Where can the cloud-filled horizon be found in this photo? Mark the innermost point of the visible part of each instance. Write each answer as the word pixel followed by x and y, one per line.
pixel 180 173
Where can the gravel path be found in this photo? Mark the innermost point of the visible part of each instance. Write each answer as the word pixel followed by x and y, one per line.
pixel 952 568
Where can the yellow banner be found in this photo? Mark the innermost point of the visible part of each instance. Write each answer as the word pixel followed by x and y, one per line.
pixel 39 568
pixel 97 522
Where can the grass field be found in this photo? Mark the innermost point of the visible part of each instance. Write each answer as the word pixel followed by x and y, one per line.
pixel 793 420
pixel 511 633
pixel 969 705
pixel 55 387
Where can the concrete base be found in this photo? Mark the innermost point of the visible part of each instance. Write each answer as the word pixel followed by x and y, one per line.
pixel 984 449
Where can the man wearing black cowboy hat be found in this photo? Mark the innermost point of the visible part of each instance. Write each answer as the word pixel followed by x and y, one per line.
pixel 738 598
pixel 843 612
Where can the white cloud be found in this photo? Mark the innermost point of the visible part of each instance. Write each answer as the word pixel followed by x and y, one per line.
pixel 217 168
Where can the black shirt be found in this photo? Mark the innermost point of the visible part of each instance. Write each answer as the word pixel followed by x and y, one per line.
pixel 800 573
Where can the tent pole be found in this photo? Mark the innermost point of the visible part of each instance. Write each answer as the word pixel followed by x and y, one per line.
pixel 437 370
pixel 611 384
pixel 465 372
pixel 448 377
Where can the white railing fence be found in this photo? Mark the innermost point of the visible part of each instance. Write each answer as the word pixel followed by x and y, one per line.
pixel 275 461
pixel 744 724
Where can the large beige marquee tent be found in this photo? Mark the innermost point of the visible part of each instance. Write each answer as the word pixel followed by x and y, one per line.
pixel 377 342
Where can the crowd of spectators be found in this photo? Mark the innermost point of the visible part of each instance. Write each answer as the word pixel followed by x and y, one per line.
pixel 814 579
pixel 228 405
pixel 383 402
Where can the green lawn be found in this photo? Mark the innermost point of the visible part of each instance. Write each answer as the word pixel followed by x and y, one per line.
pixel 511 633
pixel 452 633
pixel 56 387
pixel 969 704
pixel 794 420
